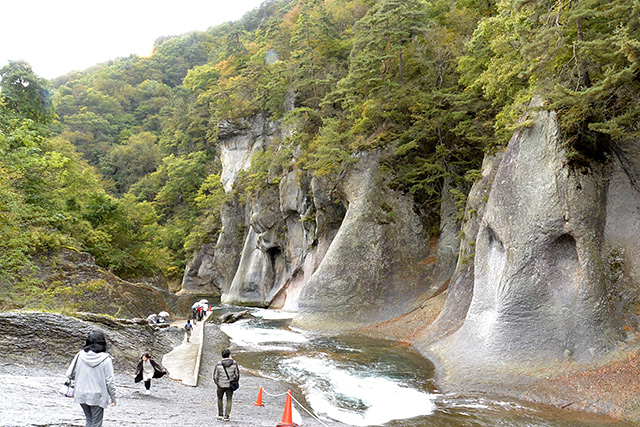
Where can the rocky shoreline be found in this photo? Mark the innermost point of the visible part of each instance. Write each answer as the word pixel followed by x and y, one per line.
pixel 36 347
pixel 31 374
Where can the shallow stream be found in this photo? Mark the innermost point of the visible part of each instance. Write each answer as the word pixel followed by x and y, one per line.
pixel 365 382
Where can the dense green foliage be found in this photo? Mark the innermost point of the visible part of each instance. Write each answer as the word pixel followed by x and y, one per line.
pixel 581 56
pixel 127 169
pixel 50 197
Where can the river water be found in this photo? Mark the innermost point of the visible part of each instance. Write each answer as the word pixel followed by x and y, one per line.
pixel 366 382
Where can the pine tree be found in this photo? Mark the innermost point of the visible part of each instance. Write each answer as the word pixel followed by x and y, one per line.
pixel 580 55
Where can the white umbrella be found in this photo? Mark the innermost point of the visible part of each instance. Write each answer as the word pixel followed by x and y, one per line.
pixel 164 314
pixel 204 302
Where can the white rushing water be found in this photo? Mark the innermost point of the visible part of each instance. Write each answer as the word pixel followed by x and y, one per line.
pixel 362 382
pixel 355 396
pixel 253 338
pixel 342 391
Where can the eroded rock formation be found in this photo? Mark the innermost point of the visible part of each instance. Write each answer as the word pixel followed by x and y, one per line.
pixel 341 254
pixel 376 266
pixel 554 265
pixel 53 339
pixel 547 264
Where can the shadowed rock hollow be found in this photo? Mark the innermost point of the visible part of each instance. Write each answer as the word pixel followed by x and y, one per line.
pixel 553 268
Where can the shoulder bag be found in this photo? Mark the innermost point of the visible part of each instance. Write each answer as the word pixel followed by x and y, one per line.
pixel 68 388
pixel 233 384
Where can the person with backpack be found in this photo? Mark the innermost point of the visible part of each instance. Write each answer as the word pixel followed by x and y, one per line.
pixel 226 375
pixel 92 369
pixel 147 369
pixel 188 327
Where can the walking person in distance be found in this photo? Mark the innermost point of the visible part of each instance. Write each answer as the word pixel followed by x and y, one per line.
pixel 226 375
pixel 147 369
pixel 92 369
pixel 188 327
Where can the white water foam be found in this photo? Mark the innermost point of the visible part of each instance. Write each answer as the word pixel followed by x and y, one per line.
pixel 377 400
pixel 272 314
pixel 250 336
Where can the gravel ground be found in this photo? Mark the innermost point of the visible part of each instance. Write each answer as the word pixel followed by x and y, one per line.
pixel 30 399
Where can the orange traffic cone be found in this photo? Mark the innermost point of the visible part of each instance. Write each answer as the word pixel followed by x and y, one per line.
pixel 286 415
pixel 259 399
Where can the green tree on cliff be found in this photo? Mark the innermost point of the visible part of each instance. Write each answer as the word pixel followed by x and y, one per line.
pixel 581 56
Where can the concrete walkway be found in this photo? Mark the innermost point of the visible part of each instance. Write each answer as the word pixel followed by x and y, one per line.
pixel 183 362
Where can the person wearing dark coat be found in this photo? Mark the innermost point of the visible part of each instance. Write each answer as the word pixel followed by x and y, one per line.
pixel 147 369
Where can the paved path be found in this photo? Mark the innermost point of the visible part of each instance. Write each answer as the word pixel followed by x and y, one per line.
pixel 183 362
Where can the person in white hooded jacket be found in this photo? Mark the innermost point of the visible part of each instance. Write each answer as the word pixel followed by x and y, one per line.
pixel 92 369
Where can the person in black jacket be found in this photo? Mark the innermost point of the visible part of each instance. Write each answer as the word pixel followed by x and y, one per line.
pixel 224 374
pixel 147 369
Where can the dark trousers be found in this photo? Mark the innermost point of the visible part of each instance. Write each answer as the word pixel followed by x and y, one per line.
pixel 147 384
pixel 221 393
pixel 93 414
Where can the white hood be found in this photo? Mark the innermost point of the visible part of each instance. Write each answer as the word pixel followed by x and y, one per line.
pixel 93 359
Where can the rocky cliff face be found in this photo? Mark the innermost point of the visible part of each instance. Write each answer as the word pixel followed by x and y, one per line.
pixel 555 263
pixel 53 339
pixel 213 267
pixel 341 254
pixel 547 267
pixel 377 265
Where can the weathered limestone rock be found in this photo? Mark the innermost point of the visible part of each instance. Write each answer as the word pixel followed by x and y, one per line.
pixel 303 250
pixel 622 228
pixel 460 289
pixel 239 141
pixel 541 280
pixel 374 269
pixel 83 286
pixel 261 262
pixel 200 275
pixel 233 317
pixel 254 272
pixel 229 247
pixel 448 240
pixel 268 248
pixel 212 268
pixel 53 339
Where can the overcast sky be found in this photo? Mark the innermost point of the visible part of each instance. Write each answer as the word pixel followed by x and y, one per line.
pixel 58 36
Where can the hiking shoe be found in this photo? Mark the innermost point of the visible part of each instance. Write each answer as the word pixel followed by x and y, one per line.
pixel 147 392
pixel 219 417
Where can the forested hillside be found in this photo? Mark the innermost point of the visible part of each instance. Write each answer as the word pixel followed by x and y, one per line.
pixel 121 160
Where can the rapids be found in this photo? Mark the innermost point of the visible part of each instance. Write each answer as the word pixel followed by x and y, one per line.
pixel 364 382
